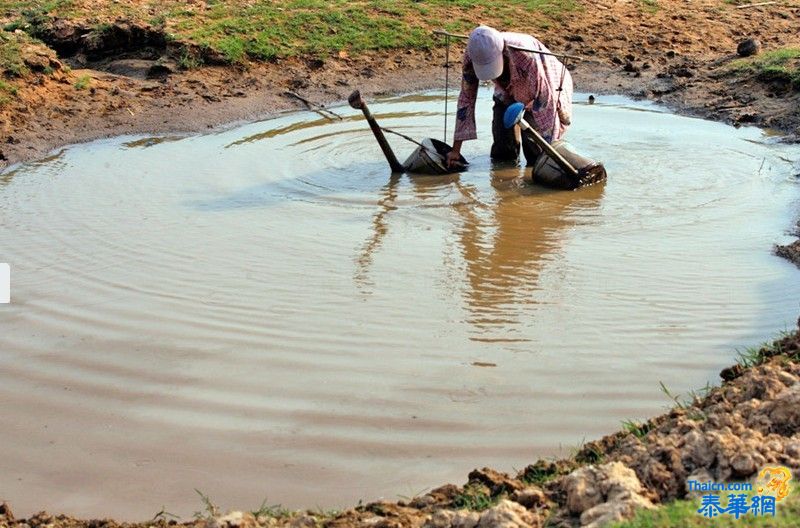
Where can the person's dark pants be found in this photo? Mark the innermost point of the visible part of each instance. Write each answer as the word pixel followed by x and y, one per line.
pixel 505 146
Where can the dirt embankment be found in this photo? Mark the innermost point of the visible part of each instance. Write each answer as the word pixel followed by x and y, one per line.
pixel 727 433
pixel 131 78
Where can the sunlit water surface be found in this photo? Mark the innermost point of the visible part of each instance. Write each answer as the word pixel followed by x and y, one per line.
pixel 265 313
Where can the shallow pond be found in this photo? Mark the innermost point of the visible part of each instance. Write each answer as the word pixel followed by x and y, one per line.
pixel 265 312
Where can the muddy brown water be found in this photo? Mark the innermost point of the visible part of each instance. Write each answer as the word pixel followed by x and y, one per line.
pixel 265 313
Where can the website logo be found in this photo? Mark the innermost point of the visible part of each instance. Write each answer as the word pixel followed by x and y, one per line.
pixel 775 481
pixel 771 486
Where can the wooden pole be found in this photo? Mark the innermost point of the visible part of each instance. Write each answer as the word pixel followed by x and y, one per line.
pixel 548 149
pixel 465 37
pixel 356 101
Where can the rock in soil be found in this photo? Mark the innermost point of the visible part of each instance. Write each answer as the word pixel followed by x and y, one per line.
pixel 603 494
pixel 5 512
pixel 748 47
pixel 236 519
pixel 508 514
pixel 494 480
pixel 530 497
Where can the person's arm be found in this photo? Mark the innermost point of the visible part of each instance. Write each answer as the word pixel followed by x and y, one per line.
pixel 465 115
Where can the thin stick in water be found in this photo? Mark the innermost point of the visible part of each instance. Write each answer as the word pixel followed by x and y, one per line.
pixel 316 107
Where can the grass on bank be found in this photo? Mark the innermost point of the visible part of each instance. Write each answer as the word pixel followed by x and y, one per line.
pixel 636 428
pixel 756 355
pixel 243 30
pixel 11 62
pixel 649 6
pixel 83 82
pixel 776 65
pixel 539 473
pixel 475 498
pixel 683 513
pixel 7 93
pixel 273 511
pixel 13 47
pixel 211 510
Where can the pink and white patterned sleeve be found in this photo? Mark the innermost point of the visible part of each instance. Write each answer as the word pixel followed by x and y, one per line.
pixel 465 114
pixel 536 79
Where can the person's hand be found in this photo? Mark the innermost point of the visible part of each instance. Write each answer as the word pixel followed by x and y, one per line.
pixel 453 159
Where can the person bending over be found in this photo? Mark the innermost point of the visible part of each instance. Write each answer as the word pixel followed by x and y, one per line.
pixel 519 76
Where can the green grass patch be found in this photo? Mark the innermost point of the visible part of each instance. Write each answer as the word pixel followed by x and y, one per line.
pixel 683 513
pixel 776 65
pixel 589 454
pixel 636 428
pixel 188 60
pixel 756 355
pixel 210 510
pixel 541 472
pixel 649 6
pixel 274 511
pixel 8 88
pixel 17 48
pixel 32 16
pixel 7 93
pixel 749 357
pixel 475 498
pixel 687 403
pixel 241 30
pixel 233 48
pixel 83 82
pixel 12 63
